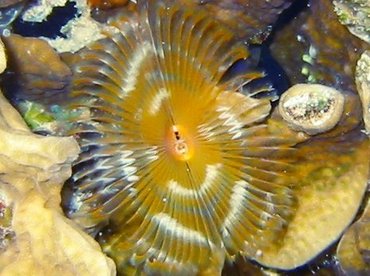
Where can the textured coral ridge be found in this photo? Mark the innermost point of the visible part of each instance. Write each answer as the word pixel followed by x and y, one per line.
pixel 178 163
pixel 353 249
pixel 35 237
pixel 32 170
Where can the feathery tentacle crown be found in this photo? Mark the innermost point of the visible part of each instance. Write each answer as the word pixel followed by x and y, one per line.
pixel 175 161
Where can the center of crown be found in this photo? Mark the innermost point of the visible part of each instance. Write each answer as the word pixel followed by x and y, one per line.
pixel 178 143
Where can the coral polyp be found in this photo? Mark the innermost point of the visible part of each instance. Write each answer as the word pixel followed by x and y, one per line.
pixel 178 170
pixel 312 108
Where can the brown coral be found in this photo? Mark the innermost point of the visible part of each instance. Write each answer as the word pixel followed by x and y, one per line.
pixel 7 3
pixel 316 48
pixel 250 20
pixel 37 67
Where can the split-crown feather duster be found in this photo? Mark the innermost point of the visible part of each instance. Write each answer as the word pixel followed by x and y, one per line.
pixel 178 170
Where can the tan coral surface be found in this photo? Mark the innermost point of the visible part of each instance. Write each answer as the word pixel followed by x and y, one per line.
pixel 32 171
pixel 334 180
pixel 2 57
pixel 354 248
pixel 37 65
pixel 355 14
pixel 363 86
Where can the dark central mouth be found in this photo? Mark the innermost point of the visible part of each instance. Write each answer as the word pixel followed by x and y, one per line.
pixel 178 143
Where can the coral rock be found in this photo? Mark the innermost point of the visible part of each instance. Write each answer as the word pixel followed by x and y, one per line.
pixel 333 179
pixel 355 14
pixel 39 11
pixel 249 19
pixel 2 57
pixel 363 86
pixel 38 68
pixel 309 44
pixel 305 49
pixel 312 108
pixel 32 171
pixel 6 3
pixel 354 248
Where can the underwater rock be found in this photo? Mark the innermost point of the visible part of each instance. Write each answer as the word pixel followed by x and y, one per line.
pixel 34 56
pixel 35 77
pixel 353 251
pixel 9 11
pixel 308 45
pixel 363 86
pixel 250 20
pixel 355 14
pixel 37 67
pixel 32 171
pixel 6 3
pixel 333 177
pixel 312 108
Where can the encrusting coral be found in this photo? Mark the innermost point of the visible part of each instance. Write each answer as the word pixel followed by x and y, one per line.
pixel 77 33
pixel 36 65
pixel 32 171
pixel 355 14
pixel 2 57
pixel 333 176
pixel 363 86
pixel 354 247
pixel 311 108
pixel 6 3
pixel 306 47
pixel 250 20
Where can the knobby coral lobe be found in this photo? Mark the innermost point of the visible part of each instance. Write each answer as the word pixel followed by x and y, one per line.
pixel 178 170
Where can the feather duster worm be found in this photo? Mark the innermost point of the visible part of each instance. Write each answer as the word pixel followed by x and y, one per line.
pixel 178 172
pixel 107 4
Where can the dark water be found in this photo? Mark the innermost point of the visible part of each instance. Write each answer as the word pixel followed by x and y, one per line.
pixel 49 28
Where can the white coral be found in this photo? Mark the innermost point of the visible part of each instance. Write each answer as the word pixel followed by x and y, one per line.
pixel 39 12
pixel 79 31
pixel 363 86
